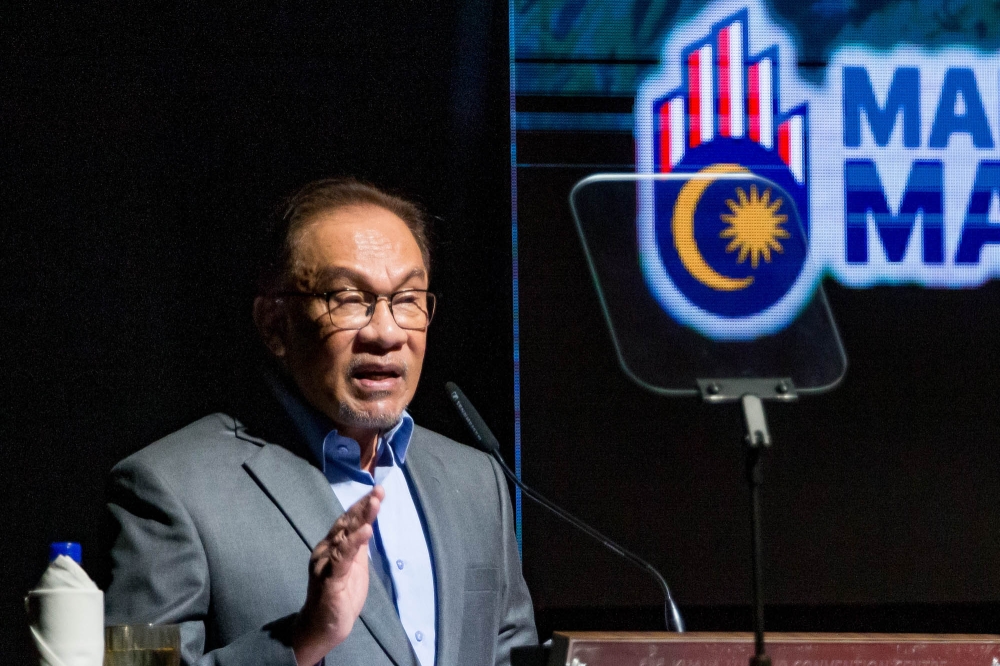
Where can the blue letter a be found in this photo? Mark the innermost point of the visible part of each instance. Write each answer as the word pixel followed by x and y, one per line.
pixel 978 230
pixel 960 83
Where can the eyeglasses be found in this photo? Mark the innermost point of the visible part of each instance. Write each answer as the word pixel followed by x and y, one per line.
pixel 353 309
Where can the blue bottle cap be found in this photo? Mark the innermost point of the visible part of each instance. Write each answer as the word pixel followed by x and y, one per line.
pixel 67 548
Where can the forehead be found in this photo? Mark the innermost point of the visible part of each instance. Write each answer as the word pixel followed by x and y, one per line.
pixel 366 240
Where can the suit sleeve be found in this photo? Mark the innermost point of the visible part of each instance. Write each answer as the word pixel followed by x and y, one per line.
pixel 517 619
pixel 160 573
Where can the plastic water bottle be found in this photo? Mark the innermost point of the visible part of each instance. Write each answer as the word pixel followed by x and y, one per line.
pixel 70 549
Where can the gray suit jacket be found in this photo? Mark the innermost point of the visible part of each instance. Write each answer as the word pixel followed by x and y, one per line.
pixel 217 525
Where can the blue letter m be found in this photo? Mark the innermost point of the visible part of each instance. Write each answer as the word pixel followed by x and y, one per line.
pixel 903 95
pixel 863 194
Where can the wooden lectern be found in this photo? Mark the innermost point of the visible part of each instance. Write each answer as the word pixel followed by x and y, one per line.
pixel 735 649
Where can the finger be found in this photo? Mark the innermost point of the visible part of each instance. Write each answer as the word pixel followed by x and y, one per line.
pixel 366 509
pixel 346 524
pixel 341 556
pixel 353 539
pixel 362 512
pixel 327 557
pixel 362 517
pixel 359 526
pixel 319 559
pixel 370 511
pixel 357 540
pixel 375 498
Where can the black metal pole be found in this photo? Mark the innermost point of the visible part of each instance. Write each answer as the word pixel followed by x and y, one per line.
pixel 755 477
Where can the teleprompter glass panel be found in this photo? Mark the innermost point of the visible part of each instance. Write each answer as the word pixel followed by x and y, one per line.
pixel 707 275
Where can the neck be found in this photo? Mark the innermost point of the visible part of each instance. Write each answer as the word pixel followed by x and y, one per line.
pixel 368 441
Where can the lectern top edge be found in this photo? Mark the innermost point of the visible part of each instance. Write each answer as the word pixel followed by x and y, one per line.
pixel 773 637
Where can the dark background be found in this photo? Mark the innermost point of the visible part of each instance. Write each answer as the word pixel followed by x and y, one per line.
pixel 141 149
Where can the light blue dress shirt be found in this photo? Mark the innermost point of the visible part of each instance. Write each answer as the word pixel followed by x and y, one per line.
pixel 399 541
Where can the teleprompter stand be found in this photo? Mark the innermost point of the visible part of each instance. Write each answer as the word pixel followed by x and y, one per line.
pixel 646 236
pixel 751 394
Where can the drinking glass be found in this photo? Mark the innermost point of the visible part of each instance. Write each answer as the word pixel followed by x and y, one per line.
pixel 142 645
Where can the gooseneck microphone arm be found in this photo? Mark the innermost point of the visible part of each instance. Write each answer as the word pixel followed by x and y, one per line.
pixel 487 442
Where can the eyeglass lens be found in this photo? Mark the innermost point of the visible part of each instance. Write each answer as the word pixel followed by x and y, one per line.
pixel 411 309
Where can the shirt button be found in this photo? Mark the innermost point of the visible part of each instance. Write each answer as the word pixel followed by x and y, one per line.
pixel 399 565
pixel 419 636
pixel 342 448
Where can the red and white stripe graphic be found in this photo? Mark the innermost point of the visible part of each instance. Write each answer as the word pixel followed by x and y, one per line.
pixel 671 133
pixel 760 102
pixel 731 93
pixel 701 97
pixel 731 97
pixel 791 146
pixel 677 129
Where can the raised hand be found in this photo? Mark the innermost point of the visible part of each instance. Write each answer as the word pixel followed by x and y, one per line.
pixel 338 582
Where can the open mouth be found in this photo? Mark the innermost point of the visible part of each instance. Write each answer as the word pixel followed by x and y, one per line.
pixel 377 376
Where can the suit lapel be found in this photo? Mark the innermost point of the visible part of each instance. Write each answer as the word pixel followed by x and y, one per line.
pixel 379 615
pixel 303 495
pixel 298 489
pixel 426 471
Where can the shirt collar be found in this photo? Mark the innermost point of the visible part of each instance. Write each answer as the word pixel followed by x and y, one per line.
pixel 333 450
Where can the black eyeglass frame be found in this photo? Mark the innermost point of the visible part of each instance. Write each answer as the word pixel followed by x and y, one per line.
pixel 370 312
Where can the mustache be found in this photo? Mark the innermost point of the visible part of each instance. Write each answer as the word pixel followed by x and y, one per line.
pixel 376 365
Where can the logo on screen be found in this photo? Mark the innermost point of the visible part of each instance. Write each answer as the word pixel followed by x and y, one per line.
pixel 885 171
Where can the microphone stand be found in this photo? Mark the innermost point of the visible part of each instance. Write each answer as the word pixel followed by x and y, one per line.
pixel 672 615
pixel 488 443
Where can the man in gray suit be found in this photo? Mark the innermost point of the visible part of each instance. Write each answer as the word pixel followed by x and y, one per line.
pixel 235 526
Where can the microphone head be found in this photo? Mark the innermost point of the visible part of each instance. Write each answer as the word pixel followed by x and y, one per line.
pixel 475 423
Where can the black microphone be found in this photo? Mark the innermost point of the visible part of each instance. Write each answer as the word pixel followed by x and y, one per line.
pixel 488 443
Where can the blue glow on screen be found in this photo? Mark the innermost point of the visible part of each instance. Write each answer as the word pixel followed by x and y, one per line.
pixel 513 251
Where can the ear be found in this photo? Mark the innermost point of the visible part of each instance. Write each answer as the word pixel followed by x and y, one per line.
pixel 269 318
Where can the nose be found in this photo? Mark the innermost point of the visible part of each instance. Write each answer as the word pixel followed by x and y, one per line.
pixel 382 329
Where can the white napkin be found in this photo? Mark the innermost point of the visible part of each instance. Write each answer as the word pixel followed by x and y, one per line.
pixel 66 611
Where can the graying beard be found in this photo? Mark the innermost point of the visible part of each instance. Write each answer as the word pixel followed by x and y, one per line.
pixel 356 419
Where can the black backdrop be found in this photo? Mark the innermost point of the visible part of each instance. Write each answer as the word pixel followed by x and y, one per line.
pixel 141 149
